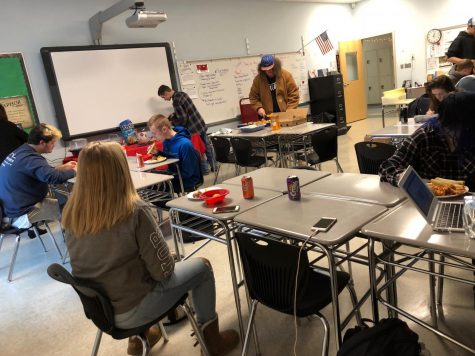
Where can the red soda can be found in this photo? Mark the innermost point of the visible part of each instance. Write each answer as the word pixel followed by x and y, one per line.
pixel 140 161
pixel 293 187
pixel 247 187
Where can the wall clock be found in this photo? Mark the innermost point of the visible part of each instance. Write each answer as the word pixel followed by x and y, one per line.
pixel 434 36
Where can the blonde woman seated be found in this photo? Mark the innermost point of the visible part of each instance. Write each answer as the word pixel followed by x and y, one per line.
pixel 114 240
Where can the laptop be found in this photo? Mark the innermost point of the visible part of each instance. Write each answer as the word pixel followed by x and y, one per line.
pixel 444 216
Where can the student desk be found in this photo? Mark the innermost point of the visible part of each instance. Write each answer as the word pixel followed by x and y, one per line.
pixel 274 178
pixel 132 162
pixel 393 102
pixel 366 188
pixel 294 219
pixel 142 180
pixel 395 133
pixel 415 232
pixel 222 225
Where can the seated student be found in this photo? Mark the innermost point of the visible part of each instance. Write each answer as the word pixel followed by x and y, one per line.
pixel 443 147
pixel 177 144
pixel 438 89
pixel 10 135
pixel 462 69
pixel 25 175
pixel 113 240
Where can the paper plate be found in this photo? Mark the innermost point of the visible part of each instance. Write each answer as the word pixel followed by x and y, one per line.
pixel 157 160
pixel 191 197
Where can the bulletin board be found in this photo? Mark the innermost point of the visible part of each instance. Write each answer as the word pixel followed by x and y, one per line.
pixel 436 61
pixel 15 90
pixel 217 85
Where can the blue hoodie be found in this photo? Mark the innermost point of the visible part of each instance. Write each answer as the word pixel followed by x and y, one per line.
pixel 24 178
pixel 180 147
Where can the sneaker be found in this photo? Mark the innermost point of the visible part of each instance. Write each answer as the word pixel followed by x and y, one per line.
pixel 153 335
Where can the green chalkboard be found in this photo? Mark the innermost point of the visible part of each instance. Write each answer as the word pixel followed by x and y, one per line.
pixel 15 90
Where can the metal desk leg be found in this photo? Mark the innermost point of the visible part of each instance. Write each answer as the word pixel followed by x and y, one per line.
pixel 433 310
pixel 279 143
pixel 372 279
pixel 265 150
pixel 235 284
pixel 382 114
pixel 179 177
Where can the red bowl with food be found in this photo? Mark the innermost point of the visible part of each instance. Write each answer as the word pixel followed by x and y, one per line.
pixel 214 196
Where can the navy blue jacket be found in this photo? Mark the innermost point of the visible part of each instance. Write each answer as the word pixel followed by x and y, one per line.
pixel 24 178
pixel 180 146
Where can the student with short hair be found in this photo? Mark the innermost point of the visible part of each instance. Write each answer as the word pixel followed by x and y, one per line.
pixel 114 241
pixel 177 144
pixel 25 175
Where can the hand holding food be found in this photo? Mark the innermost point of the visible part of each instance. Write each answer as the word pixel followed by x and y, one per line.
pixel 443 187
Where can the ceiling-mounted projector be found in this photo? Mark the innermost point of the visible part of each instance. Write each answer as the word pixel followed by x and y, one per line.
pixel 142 18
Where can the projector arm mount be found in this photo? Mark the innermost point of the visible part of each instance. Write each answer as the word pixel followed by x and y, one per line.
pixel 96 21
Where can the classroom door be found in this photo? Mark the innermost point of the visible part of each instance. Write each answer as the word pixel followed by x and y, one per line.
pixel 351 65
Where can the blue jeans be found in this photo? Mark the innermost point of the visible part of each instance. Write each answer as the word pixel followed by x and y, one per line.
pixel 191 275
pixel 209 154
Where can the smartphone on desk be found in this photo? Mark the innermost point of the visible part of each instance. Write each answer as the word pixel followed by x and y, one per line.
pixel 324 224
pixel 226 209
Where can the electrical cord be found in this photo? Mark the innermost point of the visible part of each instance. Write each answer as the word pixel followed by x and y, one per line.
pixel 313 234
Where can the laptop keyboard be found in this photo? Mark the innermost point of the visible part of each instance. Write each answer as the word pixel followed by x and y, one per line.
pixel 449 216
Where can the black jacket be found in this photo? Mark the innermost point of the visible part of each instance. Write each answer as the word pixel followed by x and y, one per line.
pixel 463 46
pixel 11 137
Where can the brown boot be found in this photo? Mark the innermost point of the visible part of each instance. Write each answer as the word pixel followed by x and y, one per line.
pixel 219 343
pixel 153 335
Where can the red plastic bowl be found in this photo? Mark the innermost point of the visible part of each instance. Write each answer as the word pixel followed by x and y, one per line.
pixel 214 196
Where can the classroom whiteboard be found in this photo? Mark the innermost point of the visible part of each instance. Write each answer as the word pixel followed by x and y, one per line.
pixel 94 88
pixel 217 85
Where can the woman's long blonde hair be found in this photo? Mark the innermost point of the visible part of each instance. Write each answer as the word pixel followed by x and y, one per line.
pixel 103 193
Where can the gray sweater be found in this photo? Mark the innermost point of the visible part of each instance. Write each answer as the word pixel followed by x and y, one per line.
pixel 126 261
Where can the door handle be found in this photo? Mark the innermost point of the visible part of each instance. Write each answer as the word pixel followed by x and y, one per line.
pixel 346 84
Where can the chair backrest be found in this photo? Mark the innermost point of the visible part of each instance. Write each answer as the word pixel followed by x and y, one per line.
pixel 371 154
pixel 96 306
pixel 248 113
pixel 419 106
pixel 222 147
pixel 325 143
pixel 242 150
pixel 270 268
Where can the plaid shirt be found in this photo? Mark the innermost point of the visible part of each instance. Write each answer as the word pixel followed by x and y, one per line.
pixel 186 114
pixel 428 152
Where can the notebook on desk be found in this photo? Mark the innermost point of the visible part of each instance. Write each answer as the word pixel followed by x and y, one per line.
pixel 443 216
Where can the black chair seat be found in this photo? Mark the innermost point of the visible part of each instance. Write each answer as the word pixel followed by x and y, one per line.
pixel 370 155
pixel 120 334
pixel 255 161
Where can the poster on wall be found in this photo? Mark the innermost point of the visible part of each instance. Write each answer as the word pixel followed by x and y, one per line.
pixel 18 110
pixel 15 90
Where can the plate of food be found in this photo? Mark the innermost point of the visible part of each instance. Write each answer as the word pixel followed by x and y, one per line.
pixel 156 160
pixel 197 193
pixel 252 128
pixel 447 188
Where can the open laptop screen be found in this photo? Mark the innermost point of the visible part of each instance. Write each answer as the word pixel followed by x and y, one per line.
pixel 418 191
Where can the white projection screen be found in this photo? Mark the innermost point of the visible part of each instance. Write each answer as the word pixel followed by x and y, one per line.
pixel 94 88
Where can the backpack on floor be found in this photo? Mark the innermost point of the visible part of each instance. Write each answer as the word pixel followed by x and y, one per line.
pixel 389 337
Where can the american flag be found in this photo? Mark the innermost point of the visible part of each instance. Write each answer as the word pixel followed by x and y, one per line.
pixel 324 43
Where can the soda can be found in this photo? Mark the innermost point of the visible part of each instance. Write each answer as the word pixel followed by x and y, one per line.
pixel 140 161
pixel 247 187
pixel 293 187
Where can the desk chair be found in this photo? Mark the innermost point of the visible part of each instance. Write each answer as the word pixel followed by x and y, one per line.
pixel 370 155
pixel 325 147
pixel 222 150
pixel 270 268
pixel 10 230
pixel 245 155
pixel 98 308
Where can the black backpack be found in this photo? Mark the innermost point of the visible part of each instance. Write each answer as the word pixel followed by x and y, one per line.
pixel 389 337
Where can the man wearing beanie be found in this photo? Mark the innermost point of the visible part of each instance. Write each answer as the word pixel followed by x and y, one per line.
pixel 463 46
pixel 274 88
